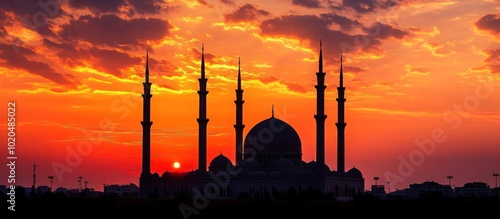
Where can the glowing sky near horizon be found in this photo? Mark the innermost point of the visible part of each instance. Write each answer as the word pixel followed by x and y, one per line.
pixel 421 82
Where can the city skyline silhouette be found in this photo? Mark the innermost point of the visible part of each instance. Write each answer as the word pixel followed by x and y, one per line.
pixel 421 102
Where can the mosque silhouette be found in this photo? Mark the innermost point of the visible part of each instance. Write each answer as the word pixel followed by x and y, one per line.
pixel 269 164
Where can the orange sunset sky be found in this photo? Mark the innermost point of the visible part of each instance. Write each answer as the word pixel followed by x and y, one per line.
pixel 421 78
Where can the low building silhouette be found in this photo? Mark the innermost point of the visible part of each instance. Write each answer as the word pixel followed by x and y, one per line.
pixel 474 189
pixel 128 190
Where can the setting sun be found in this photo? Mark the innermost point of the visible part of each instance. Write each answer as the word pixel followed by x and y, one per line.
pixel 177 165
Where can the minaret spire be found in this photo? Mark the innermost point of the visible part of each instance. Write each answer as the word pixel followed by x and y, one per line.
pixel 202 119
pixel 320 62
pixel 147 67
pixel 239 118
pixel 239 73
pixel 341 123
pixel 202 60
pixel 341 84
pixel 320 109
pixel 146 134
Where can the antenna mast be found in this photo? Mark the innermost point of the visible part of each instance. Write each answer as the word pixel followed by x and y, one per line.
pixel 34 176
pixel 80 183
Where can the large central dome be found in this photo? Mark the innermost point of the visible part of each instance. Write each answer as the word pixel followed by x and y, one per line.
pixel 271 140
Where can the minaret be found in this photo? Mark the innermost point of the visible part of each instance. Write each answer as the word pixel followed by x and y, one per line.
pixel 239 118
pixel 341 123
pixel 320 110
pixel 202 119
pixel 146 124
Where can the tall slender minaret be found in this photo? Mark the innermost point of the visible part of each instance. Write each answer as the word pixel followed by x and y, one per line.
pixel 239 118
pixel 320 110
pixel 202 119
pixel 341 123
pixel 146 124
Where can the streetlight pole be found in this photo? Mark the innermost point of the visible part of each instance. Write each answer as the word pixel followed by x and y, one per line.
pixel 80 183
pixel 496 180
pixel 51 178
pixel 449 183
pixel 449 180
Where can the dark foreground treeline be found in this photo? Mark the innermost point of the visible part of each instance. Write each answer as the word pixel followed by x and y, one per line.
pixel 299 206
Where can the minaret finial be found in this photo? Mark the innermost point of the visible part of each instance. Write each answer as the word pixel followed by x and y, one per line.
pixel 239 74
pixel 272 111
pixel 320 55
pixel 147 66
pixel 341 84
pixel 202 60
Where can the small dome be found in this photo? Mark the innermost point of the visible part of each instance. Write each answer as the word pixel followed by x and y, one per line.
pixel 311 164
pixel 355 173
pixel 318 168
pixel 220 163
pixel 165 175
